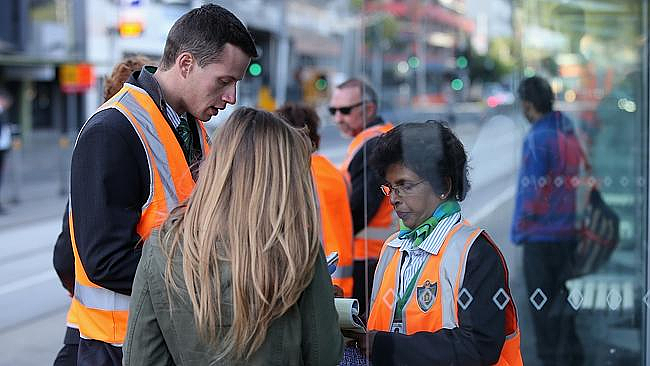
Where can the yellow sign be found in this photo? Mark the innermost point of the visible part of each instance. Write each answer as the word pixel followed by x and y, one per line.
pixel 130 29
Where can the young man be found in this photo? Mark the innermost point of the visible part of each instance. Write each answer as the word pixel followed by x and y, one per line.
pixel 354 108
pixel 135 159
pixel 544 219
pixel 63 256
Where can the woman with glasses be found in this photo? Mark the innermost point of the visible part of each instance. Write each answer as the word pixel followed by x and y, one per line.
pixel 440 294
pixel 237 275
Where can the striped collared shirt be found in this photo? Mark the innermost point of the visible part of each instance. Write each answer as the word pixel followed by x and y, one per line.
pixel 413 259
pixel 172 116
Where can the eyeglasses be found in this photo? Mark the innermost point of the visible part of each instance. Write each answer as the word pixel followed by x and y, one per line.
pixel 344 110
pixel 402 190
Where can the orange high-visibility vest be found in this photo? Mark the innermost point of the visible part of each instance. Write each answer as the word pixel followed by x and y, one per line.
pixel 336 218
pixel 385 222
pixel 99 313
pixel 442 275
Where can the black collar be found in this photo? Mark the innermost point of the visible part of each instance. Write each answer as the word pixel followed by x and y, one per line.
pixel 144 79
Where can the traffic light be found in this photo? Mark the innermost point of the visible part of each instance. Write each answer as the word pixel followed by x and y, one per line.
pixel 413 62
pixel 255 69
pixel 321 82
pixel 461 62
pixel 457 84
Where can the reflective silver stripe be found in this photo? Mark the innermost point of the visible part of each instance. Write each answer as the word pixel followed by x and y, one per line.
pixel 343 272
pixel 144 121
pixel 450 268
pixel 145 148
pixel 383 263
pixel 100 298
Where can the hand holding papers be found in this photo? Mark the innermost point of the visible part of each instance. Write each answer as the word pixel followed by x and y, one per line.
pixel 349 320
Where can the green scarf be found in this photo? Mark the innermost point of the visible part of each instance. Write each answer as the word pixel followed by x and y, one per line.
pixel 417 235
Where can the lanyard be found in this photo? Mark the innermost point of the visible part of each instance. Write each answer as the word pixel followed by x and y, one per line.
pixel 401 301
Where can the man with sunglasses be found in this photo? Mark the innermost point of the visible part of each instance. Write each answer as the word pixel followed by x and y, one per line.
pixel 353 106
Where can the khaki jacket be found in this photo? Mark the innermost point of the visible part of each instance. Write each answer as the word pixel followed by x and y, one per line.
pixel 307 334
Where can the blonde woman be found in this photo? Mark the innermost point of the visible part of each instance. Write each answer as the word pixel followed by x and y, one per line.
pixel 237 275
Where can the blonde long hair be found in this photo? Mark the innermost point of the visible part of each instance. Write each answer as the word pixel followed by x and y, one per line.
pixel 253 208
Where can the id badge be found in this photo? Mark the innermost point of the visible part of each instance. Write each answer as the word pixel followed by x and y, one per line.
pixel 397 327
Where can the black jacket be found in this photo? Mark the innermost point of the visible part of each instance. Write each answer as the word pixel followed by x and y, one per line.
pixel 109 184
pixel 481 333
pixel 365 195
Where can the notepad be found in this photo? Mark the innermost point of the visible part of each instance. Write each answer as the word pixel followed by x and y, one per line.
pixel 348 310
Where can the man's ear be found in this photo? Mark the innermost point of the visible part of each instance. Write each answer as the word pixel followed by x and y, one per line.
pixel 371 109
pixel 185 63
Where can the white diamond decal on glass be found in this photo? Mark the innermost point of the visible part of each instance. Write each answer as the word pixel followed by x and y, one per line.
pixel 592 181
pixel 575 181
pixel 559 182
pixel 542 181
pixel 501 299
pixel 607 181
pixel 624 181
pixel 575 299
pixel 614 299
pixel 646 299
pixel 538 299
pixel 465 298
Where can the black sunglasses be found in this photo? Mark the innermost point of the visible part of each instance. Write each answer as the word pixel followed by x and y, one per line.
pixel 344 110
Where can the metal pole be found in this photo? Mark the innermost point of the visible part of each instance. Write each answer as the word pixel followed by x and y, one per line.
pixel 60 125
pixel 378 59
pixel 283 56
pixel 25 123
pixel 645 118
pixel 16 166
pixel 420 51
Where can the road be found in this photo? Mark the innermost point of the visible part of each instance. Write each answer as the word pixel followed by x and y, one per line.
pixel 32 322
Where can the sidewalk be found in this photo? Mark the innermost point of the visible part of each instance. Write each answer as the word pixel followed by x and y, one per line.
pixel 44 336
pixel 33 193
pixel 34 184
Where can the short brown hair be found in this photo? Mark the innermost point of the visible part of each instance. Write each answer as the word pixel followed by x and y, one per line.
pixel 204 32
pixel 121 73
pixel 366 91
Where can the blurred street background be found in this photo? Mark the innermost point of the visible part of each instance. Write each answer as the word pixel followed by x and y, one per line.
pixel 453 60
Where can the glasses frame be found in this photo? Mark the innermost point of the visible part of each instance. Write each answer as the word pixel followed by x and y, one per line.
pixel 401 190
pixel 345 110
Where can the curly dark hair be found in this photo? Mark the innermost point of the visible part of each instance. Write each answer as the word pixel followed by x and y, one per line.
pixel 429 149
pixel 121 73
pixel 301 115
